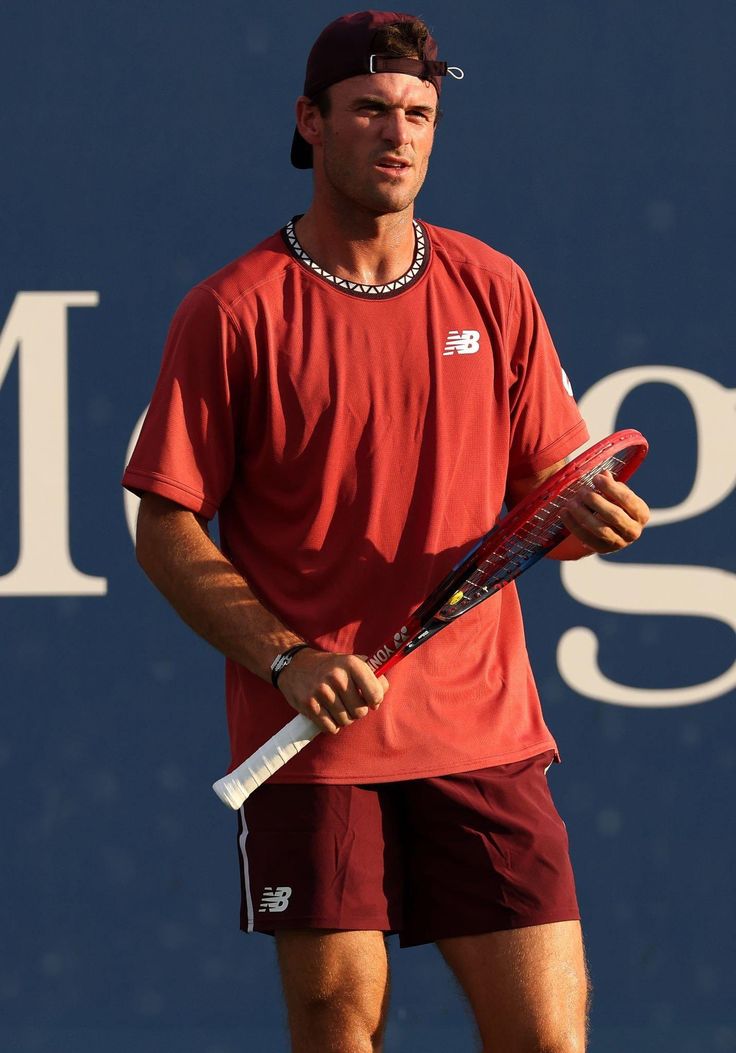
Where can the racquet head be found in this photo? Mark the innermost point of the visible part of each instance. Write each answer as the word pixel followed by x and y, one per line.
pixel 534 526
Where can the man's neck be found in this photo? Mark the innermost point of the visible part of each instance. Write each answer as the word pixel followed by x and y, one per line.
pixel 360 247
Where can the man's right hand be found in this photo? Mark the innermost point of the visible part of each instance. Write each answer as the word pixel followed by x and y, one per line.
pixel 333 690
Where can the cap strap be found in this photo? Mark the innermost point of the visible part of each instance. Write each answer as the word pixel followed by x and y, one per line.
pixel 425 69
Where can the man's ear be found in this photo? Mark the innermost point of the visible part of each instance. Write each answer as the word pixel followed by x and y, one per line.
pixel 309 120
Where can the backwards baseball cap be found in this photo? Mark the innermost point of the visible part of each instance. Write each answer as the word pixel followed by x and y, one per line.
pixel 345 49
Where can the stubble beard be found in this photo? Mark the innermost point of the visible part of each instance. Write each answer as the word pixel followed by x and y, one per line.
pixel 365 195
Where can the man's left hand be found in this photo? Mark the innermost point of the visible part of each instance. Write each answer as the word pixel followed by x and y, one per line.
pixel 605 519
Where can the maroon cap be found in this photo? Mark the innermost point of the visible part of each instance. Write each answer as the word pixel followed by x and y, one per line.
pixel 344 49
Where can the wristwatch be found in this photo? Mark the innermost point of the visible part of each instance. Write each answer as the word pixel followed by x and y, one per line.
pixel 281 661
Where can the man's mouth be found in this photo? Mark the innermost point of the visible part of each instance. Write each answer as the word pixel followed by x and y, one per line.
pixel 392 164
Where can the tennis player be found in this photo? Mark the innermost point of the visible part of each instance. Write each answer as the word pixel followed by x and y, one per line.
pixel 355 398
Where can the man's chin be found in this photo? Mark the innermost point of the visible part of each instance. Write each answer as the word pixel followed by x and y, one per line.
pixel 388 204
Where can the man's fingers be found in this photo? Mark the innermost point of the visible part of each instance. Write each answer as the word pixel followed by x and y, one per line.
pixel 606 521
pixel 621 495
pixel 597 539
pixel 608 517
pixel 371 688
pixel 342 696
pixel 331 697
pixel 321 717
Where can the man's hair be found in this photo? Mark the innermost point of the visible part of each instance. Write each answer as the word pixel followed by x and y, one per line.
pixel 402 39
pixel 399 40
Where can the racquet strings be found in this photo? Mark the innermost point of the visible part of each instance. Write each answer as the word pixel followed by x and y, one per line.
pixel 527 543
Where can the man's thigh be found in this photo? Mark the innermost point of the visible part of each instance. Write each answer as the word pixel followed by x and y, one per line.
pixel 528 987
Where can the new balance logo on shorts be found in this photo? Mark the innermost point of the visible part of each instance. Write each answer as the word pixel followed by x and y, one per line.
pixel 274 900
pixel 462 342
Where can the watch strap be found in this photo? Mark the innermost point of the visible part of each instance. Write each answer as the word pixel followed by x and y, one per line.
pixel 283 659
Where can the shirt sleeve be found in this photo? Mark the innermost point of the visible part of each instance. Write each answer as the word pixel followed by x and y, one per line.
pixel 187 448
pixel 546 425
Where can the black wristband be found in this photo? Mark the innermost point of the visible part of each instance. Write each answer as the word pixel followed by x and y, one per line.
pixel 281 661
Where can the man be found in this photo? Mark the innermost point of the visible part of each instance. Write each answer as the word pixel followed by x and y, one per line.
pixel 355 398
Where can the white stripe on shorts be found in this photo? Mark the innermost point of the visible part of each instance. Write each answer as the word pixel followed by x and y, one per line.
pixel 244 864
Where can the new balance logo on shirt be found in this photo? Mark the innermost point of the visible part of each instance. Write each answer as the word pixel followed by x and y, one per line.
pixel 275 900
pixel 462 342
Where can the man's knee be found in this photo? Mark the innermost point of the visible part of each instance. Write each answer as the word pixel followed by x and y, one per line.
pixel 336 989
pixel 565 1031
pixel 338 1014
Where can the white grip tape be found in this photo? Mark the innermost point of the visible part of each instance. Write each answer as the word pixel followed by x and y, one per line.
pixel 236 787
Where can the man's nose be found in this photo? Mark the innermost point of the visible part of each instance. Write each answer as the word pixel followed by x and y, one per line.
pixel 396 129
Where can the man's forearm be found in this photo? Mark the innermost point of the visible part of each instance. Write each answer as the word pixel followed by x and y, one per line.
pixel 178 555
pixel 209 594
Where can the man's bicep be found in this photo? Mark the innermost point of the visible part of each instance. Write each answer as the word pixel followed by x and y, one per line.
pixel 156 511
pixel 162 526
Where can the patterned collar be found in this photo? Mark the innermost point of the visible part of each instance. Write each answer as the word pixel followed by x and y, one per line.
pixel 366 292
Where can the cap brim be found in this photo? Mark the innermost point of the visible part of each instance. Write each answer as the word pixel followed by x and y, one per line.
pixel 301 152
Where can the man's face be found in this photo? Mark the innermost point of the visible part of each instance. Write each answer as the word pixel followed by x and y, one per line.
pixel 374 144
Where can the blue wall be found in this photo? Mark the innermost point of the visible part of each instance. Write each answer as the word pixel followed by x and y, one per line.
pixel 141 150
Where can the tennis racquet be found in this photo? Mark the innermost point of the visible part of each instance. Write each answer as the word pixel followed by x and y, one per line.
pixel 531 529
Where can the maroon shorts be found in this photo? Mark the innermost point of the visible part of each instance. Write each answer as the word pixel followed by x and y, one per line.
pixel 455 855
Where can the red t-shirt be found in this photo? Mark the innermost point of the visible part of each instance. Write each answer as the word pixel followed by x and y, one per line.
pixel 355 440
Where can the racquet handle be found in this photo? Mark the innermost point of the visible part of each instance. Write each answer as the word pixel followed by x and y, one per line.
pixel 236 787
